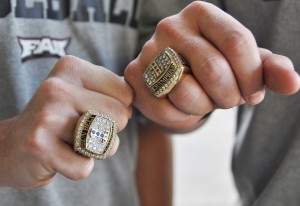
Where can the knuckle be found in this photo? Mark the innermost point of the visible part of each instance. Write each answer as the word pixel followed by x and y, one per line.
pixel 54 89
pixel 67 61
pixel 164 25
pixel 127 92
pixel 118 113
pixel 134 69
pixel 129 73
pixel 167 27
pixel 67 64
pixel 43 118
pixel 196 6
pixel 140 64
pixel 83 172
pixel 199 8
pixel 284 59
pixel 35 144
pixel 211 68
pixel 149 45
pixel 37 141
pixel 238 42
pixel 132 85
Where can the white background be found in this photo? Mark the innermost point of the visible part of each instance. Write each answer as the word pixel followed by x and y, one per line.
pixel 202 163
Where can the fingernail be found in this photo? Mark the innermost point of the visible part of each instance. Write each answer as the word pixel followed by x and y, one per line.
pixel 256 98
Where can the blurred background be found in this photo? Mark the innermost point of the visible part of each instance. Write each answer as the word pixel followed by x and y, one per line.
pixel 202 163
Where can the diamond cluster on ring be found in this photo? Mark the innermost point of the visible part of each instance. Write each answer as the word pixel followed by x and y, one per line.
pixel 158 67
pixel 164 72
pixel 95 134
pixel 99 135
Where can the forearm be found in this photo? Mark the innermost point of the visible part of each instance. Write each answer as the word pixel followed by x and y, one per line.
pixel 154 167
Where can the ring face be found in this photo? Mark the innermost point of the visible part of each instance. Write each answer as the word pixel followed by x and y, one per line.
pixel 164 72
pixel 95 134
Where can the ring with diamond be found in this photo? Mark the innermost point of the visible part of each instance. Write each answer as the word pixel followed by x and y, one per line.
pixel 95 135
pixel 164 72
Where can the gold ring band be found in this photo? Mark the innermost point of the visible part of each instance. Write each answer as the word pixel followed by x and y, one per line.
pixel 164 72
pixel 95 134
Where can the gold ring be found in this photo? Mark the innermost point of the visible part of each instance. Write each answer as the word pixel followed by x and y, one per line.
pixel 164 72
pixel 95 134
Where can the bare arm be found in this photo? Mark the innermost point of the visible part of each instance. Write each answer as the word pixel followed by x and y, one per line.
pixel 154 167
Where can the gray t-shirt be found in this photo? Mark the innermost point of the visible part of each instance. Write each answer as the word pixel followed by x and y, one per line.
pixel 33 34
pixel 266 157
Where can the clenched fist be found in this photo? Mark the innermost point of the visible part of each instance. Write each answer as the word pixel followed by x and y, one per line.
pixel 38 143
pixel 226 67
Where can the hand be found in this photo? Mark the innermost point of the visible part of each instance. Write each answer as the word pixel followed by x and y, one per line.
pixel 39 142
pixel 227 67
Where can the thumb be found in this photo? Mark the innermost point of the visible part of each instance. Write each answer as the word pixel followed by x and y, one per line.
pixel 279 73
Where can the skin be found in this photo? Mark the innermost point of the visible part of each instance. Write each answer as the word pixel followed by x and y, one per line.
pixel 227 68
pixel 38 143
pixel 154 166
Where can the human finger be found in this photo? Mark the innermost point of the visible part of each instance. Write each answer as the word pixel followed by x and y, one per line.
pixel 235 42
pixel 279 73
pixel 107 106
pixel 92 77
pixel 62 94
pixel 159 110
pixel 189 97
pixel 209 66
pixel 70 164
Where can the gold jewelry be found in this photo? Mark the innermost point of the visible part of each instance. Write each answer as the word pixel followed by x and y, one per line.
pixel 164 72
pixel 95 135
